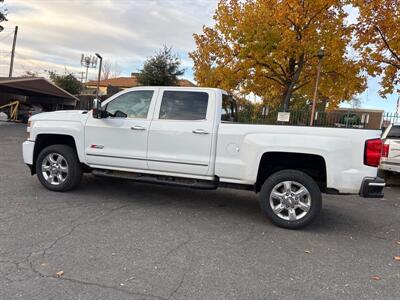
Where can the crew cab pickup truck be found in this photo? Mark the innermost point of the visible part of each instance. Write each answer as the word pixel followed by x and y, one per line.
pixel 190 137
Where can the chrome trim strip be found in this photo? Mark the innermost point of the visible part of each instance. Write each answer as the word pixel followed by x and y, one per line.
pixel 377 184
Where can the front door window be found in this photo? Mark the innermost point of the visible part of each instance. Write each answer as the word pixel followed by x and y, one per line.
pixel 134 105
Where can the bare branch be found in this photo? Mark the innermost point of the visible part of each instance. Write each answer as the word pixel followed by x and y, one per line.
pixel 387 43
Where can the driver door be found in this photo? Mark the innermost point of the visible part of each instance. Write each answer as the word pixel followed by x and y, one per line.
pixel 120 140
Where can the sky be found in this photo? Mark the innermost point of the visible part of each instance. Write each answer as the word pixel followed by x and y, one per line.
pixel 53 34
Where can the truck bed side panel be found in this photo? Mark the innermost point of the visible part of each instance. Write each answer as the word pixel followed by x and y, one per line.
pixel 241 146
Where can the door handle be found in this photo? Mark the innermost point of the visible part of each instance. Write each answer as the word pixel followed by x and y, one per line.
pixel 200 131
pixel 137 127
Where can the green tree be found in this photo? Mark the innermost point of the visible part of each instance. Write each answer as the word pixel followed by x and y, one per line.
pixel 161 69
pixel 67 82
pixel 3 14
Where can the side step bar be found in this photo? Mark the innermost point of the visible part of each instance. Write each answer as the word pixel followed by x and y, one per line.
pixel 159 179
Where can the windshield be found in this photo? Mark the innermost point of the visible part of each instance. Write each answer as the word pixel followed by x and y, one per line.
pixel 229 109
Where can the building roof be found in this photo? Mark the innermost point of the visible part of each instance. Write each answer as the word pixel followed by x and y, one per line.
pixel 127 82
pixel 33 86
pixel 361 110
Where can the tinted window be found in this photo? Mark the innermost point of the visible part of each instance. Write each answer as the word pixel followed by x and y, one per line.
pixel 134 104
pixel 229 109
pixel 179 105
pixel 394 132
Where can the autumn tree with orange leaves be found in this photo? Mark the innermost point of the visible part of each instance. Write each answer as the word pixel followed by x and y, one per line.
pixel 268 47
pixel 378 41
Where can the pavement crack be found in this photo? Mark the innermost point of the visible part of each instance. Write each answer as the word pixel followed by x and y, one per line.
pixel 30 262
pixel 115 288
pixel 44 250
pixel 88 283
pixel 176 248
pixel 179 285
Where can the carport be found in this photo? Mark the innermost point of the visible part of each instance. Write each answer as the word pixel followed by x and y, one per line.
pixel 35 90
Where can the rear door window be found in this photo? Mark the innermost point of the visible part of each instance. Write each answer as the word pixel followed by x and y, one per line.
pixel 183 105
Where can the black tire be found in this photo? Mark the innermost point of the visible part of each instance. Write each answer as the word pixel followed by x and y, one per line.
pixel 314 196
pixel 72 177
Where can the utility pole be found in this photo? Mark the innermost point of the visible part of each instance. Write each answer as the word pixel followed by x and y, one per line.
pixel 320 56
pixel 13 52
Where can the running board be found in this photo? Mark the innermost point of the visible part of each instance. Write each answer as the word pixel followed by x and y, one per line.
pixel 159 179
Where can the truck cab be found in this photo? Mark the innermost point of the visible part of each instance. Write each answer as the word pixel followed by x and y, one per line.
pixel 164 129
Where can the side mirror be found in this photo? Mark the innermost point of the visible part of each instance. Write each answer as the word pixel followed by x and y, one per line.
pixel 97 109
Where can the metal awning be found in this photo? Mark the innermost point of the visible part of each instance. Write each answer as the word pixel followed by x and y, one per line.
pixel 37 87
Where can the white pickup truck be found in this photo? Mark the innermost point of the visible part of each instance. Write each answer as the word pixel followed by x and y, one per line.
pixel 190 137
pixel 390 161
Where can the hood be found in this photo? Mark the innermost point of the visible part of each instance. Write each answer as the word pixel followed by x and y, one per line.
pixel 61 115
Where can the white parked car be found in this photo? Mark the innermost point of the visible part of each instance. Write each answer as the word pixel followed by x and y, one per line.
pixel 190 137
pixel 390 161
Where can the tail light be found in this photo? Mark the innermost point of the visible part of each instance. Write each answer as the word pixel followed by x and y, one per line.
pixel 385 150
pixel 372 152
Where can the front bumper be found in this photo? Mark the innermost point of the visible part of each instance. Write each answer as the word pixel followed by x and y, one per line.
pixel 372 187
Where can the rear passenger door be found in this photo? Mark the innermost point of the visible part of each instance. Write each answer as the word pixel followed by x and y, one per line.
pixel 181 133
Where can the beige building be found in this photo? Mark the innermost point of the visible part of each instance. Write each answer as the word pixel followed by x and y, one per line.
pixel 121 83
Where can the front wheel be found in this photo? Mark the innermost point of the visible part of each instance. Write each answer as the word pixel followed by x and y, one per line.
pixel 291 199
pixel 58 168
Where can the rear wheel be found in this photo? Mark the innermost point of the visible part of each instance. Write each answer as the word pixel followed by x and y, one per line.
pixel 291 199
pixel 58 168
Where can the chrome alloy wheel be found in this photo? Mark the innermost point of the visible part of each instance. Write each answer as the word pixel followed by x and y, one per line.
pixel 290 200
pixel 55 168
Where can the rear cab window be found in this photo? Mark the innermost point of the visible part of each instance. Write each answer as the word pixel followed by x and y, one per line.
pixel 229 109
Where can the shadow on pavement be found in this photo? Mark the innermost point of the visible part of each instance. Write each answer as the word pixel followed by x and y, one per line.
pixel 339 213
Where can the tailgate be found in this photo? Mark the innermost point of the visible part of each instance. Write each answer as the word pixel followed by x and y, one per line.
pixel 394 151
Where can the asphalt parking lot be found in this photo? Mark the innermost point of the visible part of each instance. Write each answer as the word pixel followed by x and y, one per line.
pixel 123 240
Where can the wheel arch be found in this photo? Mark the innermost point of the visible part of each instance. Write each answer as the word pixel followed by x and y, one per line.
pixel 312 164
pixel 44 140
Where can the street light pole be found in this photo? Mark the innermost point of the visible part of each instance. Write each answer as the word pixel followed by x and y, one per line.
pixel 320 56
pixel 98 77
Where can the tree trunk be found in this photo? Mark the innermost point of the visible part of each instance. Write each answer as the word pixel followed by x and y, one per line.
pixel 291 83
pixel 287 95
